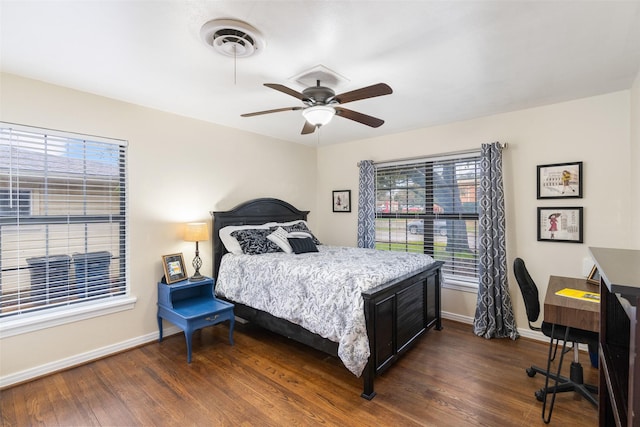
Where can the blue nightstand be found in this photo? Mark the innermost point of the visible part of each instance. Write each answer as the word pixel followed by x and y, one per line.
pixel 192 306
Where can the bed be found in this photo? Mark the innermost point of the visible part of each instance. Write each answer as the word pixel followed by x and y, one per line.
pixel 396 313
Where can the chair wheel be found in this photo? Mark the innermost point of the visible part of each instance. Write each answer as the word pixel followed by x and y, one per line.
pixel 531 372
pixel 540 395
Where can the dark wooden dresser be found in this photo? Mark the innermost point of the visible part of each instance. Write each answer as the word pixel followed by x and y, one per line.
pixel 619 388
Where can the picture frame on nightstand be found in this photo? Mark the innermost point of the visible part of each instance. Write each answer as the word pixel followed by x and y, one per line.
pixel 174 270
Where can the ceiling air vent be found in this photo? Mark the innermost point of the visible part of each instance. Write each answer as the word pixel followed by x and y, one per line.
pixel 230 37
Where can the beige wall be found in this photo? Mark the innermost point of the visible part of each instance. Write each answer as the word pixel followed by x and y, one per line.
pixel 179 170
pixel 594 130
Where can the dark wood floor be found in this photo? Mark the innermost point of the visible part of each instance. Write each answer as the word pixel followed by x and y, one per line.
pixel 451 378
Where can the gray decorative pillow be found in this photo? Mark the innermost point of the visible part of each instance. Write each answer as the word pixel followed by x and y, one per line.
pixel 255 242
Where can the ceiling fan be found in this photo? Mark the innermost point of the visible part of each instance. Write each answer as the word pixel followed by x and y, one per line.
pixel 321 104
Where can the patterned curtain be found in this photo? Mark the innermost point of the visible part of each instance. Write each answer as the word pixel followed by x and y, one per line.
pixel 494 312
pixel 367 206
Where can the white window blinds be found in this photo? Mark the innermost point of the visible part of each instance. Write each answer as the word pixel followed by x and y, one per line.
pixel 430 206
pixel 63 211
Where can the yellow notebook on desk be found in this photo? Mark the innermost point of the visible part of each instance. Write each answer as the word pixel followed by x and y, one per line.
pixel 578 294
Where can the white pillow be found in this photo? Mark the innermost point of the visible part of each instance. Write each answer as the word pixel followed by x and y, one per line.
pixel 279 237
pixel 230 242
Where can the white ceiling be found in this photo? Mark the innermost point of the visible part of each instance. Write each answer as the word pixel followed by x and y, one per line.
pixel 445 60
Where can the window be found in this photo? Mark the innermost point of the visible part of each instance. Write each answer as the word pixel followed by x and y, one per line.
pixel 63 221
pixel 430 206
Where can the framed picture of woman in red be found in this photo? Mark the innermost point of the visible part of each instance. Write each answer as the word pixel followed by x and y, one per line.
pixel 560 224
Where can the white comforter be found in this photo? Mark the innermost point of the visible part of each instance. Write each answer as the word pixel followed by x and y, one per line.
pixel 320 291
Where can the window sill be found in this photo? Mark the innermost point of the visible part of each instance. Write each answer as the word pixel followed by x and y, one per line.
pixel 56 317
pixel 459 285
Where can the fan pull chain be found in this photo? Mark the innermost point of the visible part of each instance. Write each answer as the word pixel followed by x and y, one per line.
pixel 235 60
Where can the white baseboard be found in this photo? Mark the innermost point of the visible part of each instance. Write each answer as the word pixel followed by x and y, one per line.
pixel 79 359
pixel 524 332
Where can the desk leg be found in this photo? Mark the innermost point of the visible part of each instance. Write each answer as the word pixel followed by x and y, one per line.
pixel 557 377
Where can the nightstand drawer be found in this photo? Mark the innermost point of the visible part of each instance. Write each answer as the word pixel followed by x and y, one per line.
pixel 199 307
pixel 210 319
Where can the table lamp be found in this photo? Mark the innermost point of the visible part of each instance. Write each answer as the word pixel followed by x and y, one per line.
pixel 196 232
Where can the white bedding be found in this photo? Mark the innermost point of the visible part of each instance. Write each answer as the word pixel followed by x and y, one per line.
pixel 320 291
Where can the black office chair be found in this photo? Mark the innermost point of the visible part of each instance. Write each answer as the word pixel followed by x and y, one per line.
pixel 555 333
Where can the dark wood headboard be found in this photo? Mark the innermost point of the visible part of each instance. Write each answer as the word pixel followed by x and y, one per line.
pixel 256 211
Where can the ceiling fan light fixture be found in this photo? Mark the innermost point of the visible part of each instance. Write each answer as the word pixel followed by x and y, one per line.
pixel 319 115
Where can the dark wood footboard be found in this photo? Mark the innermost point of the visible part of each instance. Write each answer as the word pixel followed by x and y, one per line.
pixel 396 313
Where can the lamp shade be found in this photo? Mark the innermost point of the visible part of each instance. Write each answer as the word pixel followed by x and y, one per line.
pixel 318 115
pixel 196 232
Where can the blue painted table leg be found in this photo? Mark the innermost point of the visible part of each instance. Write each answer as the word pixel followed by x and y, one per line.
pixel 232 322
pixel 160 327
pixel 188 335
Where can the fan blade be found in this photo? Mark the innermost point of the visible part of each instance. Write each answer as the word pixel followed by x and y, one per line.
pixel 307 128
pixel 277 110
pixel 286 90
pixel 359 117
pixel 364 93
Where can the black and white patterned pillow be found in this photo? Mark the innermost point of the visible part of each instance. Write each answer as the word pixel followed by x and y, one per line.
pixel 301 226
pixel 255 242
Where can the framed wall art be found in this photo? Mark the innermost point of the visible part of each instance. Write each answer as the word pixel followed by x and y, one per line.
pixel 173 266
pixel 560 224
pixel 342 201
pixel 560 181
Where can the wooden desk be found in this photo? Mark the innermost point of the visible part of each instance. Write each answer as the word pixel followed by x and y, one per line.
pixel 571 312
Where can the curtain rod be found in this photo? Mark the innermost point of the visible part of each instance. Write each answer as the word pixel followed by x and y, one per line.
pixel 503 146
